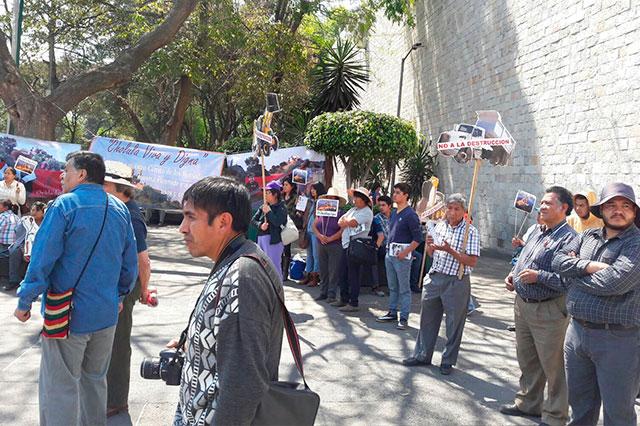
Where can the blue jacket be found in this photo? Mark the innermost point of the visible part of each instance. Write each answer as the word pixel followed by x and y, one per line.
pixel 66 236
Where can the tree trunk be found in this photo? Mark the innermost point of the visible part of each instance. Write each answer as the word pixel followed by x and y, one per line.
pixel 36 116
pixel 141 132
pixel 328 170
pixel 173 127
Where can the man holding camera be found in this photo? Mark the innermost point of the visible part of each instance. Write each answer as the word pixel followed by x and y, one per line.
pixel 234 335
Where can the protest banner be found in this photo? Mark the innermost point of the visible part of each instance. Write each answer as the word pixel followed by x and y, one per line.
pixel 246 168
pixel 162 173
pixel 39 164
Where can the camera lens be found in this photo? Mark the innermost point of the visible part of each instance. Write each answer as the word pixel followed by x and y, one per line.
pixel 150 368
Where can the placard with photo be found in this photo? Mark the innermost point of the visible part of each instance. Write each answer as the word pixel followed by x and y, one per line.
pixel 327 208
pixel 524 201
pixel 299 176
pixel 301 204
pixel 25 165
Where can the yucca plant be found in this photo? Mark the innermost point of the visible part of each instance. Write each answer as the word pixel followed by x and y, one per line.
pixel 339 77
pixel 418 168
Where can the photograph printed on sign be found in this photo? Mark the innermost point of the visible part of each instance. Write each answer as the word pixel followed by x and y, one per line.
pixel 327 208
pixel 25 164
pixel 300 177
pixel 301 204
pixel 525 201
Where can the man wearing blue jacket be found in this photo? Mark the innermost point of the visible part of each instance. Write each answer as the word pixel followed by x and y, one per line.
pixel 72 383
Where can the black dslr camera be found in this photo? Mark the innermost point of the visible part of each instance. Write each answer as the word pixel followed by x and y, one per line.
pixel 167 367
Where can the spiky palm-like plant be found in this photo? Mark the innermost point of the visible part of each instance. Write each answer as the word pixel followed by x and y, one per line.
pixel 339 78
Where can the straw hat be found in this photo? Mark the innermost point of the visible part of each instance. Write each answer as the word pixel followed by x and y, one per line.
pixel 362 191
pixel 332 193
pixel 117 172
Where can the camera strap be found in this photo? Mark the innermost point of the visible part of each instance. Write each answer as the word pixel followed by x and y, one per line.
pixel 229 249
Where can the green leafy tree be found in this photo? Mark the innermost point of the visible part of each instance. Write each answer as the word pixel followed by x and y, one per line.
pixel 361 139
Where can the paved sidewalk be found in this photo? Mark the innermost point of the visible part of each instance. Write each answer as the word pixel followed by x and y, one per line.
pixel 350 360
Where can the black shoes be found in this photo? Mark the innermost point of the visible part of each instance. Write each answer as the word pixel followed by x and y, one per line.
pixel 388 317
pixel 413 362
pixel 402 324
pixel 9 286
pixel 321 297
pixel 445 369
pixel 513 410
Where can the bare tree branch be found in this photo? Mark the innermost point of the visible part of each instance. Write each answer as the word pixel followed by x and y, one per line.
pixel 142 134
pixel 77 88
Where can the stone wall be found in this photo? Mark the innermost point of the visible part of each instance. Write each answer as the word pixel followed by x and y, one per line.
pixel 565 75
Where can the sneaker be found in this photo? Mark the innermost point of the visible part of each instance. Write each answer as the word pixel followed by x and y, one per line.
pixel 349 308
pixel 380 293
pixel 330 299
pixel 402 324
pixel 388 317
pixel 321 297
pixel 338 304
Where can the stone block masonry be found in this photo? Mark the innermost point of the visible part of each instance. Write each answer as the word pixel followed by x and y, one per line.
pixel 565 75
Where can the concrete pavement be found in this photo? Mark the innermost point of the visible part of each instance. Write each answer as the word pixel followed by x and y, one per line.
pixel 350 360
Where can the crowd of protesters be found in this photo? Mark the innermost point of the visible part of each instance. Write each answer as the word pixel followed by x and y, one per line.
pixel 575 275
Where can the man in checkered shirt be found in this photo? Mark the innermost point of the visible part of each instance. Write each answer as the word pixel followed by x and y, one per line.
pixel 540 314
pixel 601 270
pixel 443 292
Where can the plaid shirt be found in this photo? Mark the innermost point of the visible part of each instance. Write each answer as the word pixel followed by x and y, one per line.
pixel 445 263
pixel 8 225
pixel 611 295
pixel 537 254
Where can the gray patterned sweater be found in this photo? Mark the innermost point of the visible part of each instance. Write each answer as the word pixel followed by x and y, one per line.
pixel 233 351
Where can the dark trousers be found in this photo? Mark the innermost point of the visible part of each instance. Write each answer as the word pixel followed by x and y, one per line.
pixel 15 262
pixel 350 273
pixel 286 261
pixel 120 367
pixel 379 272
pixel 603 368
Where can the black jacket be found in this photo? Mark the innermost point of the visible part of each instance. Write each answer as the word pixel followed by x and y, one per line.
pixel 276 218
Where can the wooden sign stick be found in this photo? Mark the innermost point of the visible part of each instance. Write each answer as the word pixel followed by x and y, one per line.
pixel 424 262
pixel 467 226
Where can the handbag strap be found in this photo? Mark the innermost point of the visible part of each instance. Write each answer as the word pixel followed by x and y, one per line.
pixel 104 219
pixel 289 325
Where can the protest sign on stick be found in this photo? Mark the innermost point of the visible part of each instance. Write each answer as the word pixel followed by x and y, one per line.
pixel 488 139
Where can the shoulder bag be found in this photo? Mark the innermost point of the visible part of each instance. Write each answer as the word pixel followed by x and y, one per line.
pixel 289 232
pixel 363 251
pixel 287 403
pixel 57 310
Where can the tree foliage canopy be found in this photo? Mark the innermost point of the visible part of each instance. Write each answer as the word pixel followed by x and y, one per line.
pixel 361 139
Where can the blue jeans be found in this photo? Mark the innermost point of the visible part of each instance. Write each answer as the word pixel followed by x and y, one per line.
pixel 313 262
pixel 603 367
pixel 398 277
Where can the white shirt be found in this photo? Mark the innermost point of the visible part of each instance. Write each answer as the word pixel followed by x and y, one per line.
pixel 14 192
pixel 364 217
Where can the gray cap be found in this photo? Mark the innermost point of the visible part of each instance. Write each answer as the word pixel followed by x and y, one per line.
pixel 612 190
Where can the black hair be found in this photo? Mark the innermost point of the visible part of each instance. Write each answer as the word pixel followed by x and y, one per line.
pixel 39 205
pixel 91 162
pixel 404 187
pixel 276 193
pixel 581 197
pixel 7 204
pixel 12 170
pixel 294 187
pixel 386 199
pixel 362 197
pixel 217 195
pixel 126 190
pixel 320 189
pixel 564 196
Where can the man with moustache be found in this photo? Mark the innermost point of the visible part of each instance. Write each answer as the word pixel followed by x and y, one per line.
pixel 234 335
pixel 601 270
pixel 541 315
